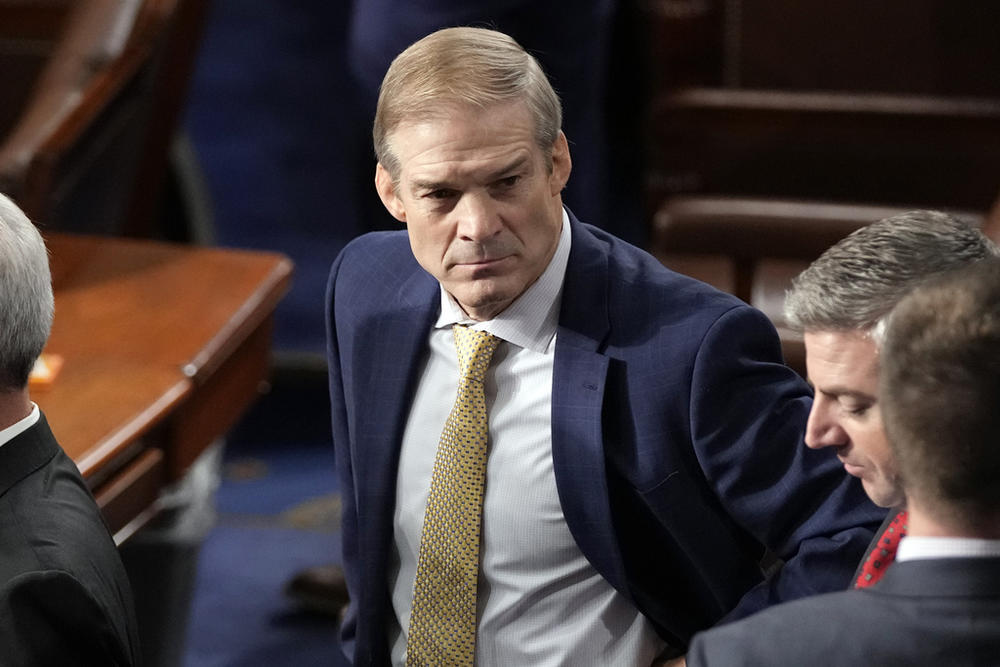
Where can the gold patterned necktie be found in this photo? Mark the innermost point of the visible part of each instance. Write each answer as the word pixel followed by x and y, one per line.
pixel 443 617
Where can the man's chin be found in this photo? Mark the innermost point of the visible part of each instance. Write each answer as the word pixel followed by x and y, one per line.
pixel 881 495
pixel 484 306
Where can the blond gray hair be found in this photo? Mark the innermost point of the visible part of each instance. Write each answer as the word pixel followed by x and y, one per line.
pixel 462 67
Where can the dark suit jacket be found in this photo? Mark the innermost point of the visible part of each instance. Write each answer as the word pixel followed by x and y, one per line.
pixel 923 612
pixel 676 437
pixel 64 595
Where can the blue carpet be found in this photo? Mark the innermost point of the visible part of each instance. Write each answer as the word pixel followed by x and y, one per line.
pixel 277 514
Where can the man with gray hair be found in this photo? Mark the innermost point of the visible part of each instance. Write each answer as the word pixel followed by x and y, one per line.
pixel 64 595
pixel 839 304
pixel 551 449
pixel 940 602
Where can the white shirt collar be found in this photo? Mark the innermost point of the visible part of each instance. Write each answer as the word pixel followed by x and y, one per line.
pixel 914 548
pixel 17 428
pixel 530 321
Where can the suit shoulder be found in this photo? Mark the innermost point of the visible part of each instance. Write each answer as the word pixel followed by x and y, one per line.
pixel 805 631
pixel 376 244
pixel 375 258
pixel 51 617
pixel 640 287
pixel 54 523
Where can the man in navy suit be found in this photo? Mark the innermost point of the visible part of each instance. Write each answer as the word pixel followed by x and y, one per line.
pixel 840 303
pixel 939 603
pixel 64 595
pixel 644 436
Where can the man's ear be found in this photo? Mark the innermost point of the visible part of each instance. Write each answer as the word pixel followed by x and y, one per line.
pixel 562 164
pixel 387 193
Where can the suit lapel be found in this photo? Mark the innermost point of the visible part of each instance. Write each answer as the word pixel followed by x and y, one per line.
pixel 26 453
pixel 578 383
pixel 393 348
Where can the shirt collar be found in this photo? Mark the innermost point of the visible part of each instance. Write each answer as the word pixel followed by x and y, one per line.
pixel 19 427
pixel 914 548
pixel 530 321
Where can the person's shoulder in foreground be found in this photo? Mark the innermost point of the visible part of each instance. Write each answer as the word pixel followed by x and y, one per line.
pixel 939 603
pixel 65 598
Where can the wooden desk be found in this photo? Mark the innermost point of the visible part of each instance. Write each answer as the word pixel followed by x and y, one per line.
pixel 165 346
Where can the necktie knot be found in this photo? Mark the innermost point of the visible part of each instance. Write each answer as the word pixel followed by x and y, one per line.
pixel 475 349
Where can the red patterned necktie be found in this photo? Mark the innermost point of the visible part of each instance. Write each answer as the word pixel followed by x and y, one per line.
pixel 884 553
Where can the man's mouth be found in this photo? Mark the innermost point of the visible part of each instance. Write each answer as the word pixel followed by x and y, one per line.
pixel 484 263
pixel 851 468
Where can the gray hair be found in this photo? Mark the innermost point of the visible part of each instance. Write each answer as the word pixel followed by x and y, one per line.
pixel 26 302
pixel 856 282
pixel 462 67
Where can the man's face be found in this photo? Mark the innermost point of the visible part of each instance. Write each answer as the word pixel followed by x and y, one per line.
pixel 481 206
pixel 843 368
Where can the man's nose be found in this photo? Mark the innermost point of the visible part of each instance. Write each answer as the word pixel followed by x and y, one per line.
pixel 822 428
pixel 478 218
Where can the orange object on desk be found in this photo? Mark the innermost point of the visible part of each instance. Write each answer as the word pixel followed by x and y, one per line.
pixel 44 372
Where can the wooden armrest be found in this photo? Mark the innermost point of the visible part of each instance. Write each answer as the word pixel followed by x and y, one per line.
pixel 754 228
pixel 104 45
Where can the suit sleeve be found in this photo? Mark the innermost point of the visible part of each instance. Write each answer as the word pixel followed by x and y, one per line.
pixel 342 453
pixel 49 618
pixel 748 413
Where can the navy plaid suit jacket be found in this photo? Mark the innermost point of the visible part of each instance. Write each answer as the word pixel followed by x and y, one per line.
pixel 676 437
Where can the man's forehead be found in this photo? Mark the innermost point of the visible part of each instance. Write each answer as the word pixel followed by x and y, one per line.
pixel 469 118
pixel 429 154
pixel 848 359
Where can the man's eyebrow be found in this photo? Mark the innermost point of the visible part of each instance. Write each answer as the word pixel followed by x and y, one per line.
pixel 420 185
pixel 506 170
pixel 837 391
pixel 429 186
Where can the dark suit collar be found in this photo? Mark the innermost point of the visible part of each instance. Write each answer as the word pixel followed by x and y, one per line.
pixel 942 577
pixel 578 385
pixel 394 344
pixel 26 453
pixel 584 319
pixel 391 345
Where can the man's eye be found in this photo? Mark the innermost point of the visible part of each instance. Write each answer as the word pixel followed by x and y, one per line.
pixel 439 194
pixel 510 181
pixel 856 410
